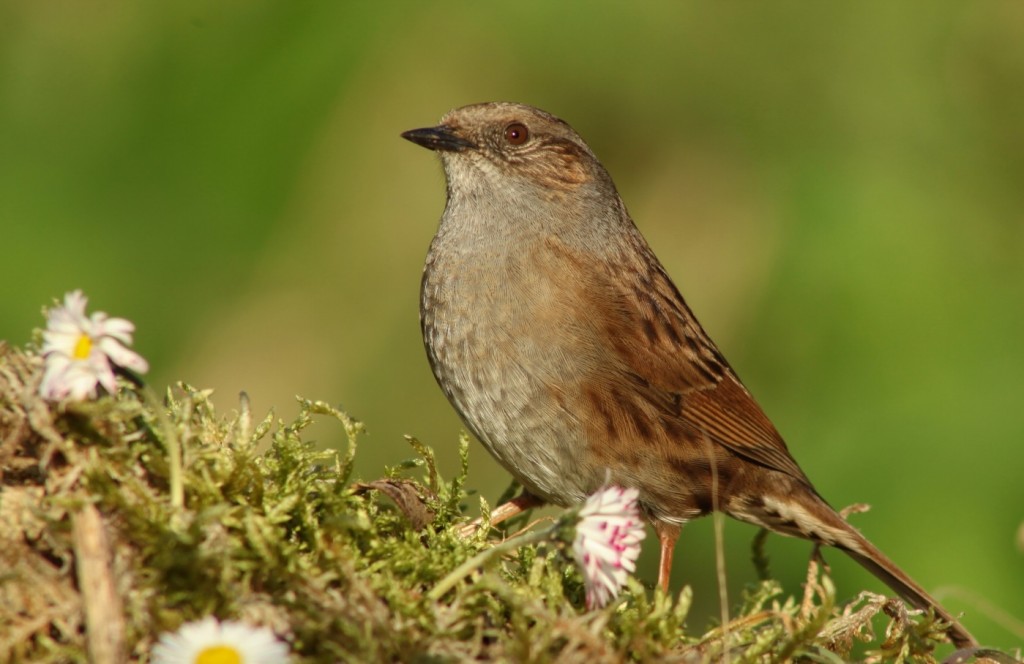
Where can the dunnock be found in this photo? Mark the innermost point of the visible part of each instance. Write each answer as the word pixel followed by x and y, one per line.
pixel 564 345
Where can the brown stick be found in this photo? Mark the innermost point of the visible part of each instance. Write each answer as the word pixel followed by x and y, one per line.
pixel 104 613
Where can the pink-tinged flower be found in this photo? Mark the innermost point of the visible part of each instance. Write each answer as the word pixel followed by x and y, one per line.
pixel 80 350
pixel 207 641
pixel 607 544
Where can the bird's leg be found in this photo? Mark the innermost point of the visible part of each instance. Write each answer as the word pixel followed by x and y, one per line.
pixel 524 501
pixel 668 534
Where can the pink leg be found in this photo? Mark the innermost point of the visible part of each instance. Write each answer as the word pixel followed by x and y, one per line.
pixel 517 505
pixel 667 536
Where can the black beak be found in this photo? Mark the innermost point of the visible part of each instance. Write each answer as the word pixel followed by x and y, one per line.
pixel 442 138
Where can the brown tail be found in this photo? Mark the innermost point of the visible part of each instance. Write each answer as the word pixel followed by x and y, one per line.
pixel 886 570
pixel 810 517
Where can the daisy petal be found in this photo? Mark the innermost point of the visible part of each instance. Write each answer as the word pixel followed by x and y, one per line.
pixel 121 356
pixel 80 351
pixel 607 543
pixel 210 640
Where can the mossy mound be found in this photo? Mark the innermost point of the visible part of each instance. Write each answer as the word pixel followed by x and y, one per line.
pixel 124 517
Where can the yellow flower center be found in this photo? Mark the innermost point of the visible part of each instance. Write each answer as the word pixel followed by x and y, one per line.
pixel 82 347
pixel 219 655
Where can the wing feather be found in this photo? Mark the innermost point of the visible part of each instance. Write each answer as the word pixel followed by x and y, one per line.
pixel 658 342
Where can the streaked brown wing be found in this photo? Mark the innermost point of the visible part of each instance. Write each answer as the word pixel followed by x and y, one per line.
pixel 658 339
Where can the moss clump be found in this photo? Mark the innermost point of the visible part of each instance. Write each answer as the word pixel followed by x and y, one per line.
pixel 124 517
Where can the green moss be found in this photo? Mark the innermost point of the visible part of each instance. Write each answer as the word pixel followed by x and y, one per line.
pixel 214 514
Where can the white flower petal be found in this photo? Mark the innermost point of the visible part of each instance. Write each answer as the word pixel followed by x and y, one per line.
pixel 79 350
pixel 119 328
pixel 251 645
pixel 79 380
pixel 74 303
pixel 607 543
pixel 121 356
pixel 104 374
pixel 53 385
pixel 63 326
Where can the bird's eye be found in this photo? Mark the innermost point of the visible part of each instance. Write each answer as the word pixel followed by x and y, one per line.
pixel 517 133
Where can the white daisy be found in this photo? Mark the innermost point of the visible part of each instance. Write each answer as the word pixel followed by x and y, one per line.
pixel 80 350
pixel 607 543
pixel 208 641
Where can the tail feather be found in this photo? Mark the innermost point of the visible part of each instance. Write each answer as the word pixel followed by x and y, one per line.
pixel 806 515
pixel 876 562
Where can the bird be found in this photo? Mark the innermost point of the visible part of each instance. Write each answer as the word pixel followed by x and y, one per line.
pixel 567 350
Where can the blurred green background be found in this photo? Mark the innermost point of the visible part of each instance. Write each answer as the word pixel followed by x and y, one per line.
pixel 838 190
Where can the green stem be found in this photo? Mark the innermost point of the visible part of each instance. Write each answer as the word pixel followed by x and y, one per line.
pixel 482 558
pixel 170 434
